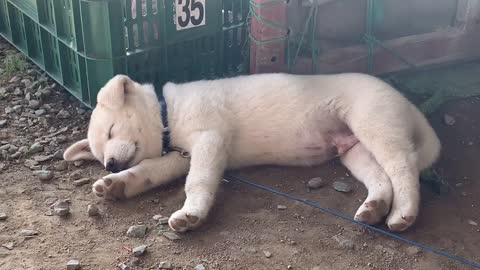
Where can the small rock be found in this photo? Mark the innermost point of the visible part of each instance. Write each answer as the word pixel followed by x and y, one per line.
pixel 449 120
pixel 16 155
pixel 28 233
pixel 342 187
pixel 73 265
pixel 289 267
pixel 42 158
pixel 18 92
pixel 23 149
pixel 165 265
pixel 76 175
pixel 163 221
pixel 26 82
pixel 123 266
pixel 267 254
pixel 344 242
pixel 61 138
pixel 58 154
pixel 29 163
pixel 8 110
pixel 40 112
pixel 473 223
pixel 171 236
pixel 61 208
pixel 250 250
pixel 93 210
pixel 61 165
pixel 9 245
pixel 81 182
pixel 63 114
pixel 14 79
pixel 3 123
pixel 3 216
pixel 281 207
pixel 139 251
pixel 315 183
pixel 157 217
pixel 35 148
pixel 200 267
pixel 78 163
pixel 413 251
pixel 44 175
pixel 137 231
pixel 34 104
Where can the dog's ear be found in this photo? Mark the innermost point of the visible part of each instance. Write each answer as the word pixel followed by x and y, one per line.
pixel 115 91
pixel 79 150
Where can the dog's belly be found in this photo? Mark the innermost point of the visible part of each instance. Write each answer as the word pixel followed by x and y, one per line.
pixel 297 149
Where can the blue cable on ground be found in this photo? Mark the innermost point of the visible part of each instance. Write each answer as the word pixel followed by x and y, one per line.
pixel 312 204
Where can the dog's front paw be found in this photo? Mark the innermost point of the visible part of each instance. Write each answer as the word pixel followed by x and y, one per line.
pixel 109 189
pixel 182 221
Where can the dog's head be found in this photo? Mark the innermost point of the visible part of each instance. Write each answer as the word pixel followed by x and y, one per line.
pixel 125 127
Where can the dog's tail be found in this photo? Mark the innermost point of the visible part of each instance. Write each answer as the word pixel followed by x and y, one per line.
pixel 428 143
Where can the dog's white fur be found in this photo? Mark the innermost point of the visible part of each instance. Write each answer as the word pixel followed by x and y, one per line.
pixel 250 120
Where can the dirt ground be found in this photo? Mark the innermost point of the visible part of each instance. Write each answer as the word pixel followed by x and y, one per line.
pixel 244 224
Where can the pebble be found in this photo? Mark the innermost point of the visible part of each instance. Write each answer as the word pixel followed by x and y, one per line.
pixel 139 251
pixel 78 163
pixel 3 216
pixel 315 183
pixel 42 158
pixel 449 120
pixel 281 207
pixel 9 245
pixel 413 251
pixel 44 175
pixel 157 217
pixel 344 242
pixel 63 114
pixel 18 92
pixel 473 223
pixel 23 149
pixel 58 154
pixel 61 208
pixel 3 123
pixel 289 267
pixel 137 231
pixel 61 138
pixel 165 265
pixel 123 266
pixel 61 165
pixel 8 110
pixel 29 163
pixel 27 232
pixel 171 236
pixel 16 155
pixel 40 112
pixel 250 250
pixel 267 254
pixel 73 265
pixel 93 210
pixel 35 148
pixel 76 175
pixel 200 267
pixel 342 187
pixel 34 104
pixel 163 221
pixel 81 182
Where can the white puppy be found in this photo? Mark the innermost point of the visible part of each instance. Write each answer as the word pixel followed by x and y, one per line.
pixel 277 119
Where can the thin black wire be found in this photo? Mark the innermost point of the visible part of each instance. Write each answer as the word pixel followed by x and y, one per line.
pixel 315 205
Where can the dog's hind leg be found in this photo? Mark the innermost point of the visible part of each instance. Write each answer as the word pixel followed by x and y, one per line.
pixel 208 162
pixel 365 168
pixel 146 175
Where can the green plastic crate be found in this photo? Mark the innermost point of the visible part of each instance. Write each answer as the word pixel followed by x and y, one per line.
pixel 83 43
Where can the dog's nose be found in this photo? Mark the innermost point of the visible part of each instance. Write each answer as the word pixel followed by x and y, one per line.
pixel 112 166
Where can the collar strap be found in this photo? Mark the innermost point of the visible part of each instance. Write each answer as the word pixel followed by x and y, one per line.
pixel 166 131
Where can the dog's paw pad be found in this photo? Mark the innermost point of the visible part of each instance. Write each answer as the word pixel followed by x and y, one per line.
pixel 181 221
pixel 109 189
pixel 372 212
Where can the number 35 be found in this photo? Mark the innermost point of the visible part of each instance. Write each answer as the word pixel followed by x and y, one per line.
pixel 189 7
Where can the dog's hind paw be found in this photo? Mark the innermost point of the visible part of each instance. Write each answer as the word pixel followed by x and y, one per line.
pixel 109 189
pixel 182 221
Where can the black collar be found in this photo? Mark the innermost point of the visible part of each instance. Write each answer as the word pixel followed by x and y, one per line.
pixel 166 131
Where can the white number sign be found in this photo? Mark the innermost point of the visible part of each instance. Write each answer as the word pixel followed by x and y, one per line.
pixel 189 13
